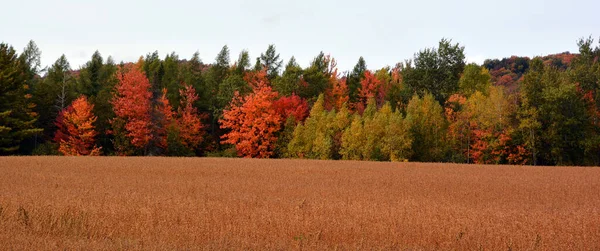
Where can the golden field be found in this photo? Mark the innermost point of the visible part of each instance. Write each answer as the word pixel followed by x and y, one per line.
pixel 154 203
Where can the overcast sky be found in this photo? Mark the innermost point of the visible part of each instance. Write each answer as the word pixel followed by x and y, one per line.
pixel 383 32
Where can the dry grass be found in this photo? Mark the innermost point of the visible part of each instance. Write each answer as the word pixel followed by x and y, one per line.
pixel 51 203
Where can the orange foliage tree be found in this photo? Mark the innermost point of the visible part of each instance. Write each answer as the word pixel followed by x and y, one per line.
pixel 252 119
pixel 337 94
pixel 191 129
pixel 131 105
pixel 76 130
pixel 165 120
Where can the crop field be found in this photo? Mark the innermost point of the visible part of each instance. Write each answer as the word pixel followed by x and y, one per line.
pixel 153 203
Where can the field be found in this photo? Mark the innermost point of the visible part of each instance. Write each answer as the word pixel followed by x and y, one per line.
pixel 51 203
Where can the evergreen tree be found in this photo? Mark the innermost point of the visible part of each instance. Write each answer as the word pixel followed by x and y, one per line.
pixel 215 76
pixel 171 79
pixel 243 63
pixel 90 81
pixel 355 77
pixel 290 79
pixel 270 60
pixel 17 120
pixel 54 94
pixel 315 79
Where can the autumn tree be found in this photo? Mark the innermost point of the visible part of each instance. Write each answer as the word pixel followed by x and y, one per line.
pixel 337 93
pixel 252 120
pixel 398 93
pixel 459 133
pixel 165 122
pixel 77 133
pixel 293 105
pixel 353 140
pixel 191 129
pixel 427 128
pixel 381 136
pixel 474 78
pixel 313 139
pixel 369 89
pixel 490 128
pixel 132 108
pixel 293 110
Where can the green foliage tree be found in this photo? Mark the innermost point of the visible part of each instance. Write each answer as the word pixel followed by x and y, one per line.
pixel 315 78
pixel 436 71
pixel 53 94
pixel 355 77
pixel 290 80
pixel 214 78
pixel 270 60
pixel 171 78
pixel 17 120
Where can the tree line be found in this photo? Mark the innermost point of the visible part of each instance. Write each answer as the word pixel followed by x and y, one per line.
pixel 434 107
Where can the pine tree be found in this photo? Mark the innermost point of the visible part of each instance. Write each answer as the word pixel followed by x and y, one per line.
pixel 171 79
pixel 17 120
pixel 290 80
pixel 270 60
pixel 315 79
pixel 53 95
pixel 355 77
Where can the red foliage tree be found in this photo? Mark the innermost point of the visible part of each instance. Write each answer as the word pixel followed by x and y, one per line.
pixel 191 129
pixel 252 119
pixel 76 131
pixel 132 104
pixel 459 127
pixel 369 88
pixel 292 105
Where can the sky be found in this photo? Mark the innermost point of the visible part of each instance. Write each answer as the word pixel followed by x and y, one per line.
pixel 383 32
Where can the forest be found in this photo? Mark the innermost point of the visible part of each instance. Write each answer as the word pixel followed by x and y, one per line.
pixel 433 107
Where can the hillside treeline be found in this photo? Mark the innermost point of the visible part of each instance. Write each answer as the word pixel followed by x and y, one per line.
pixel 433 108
